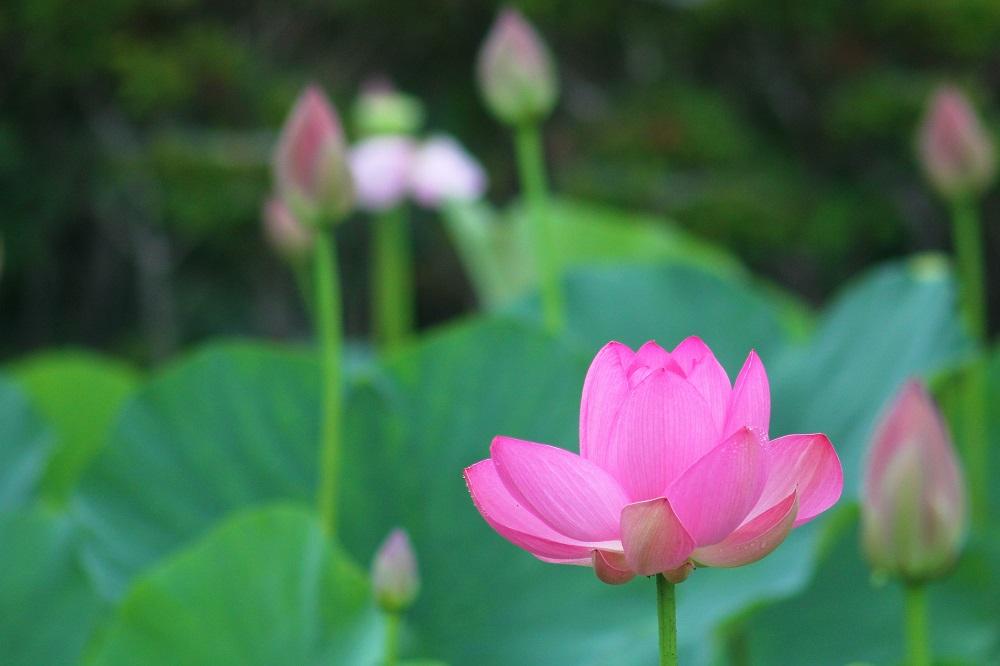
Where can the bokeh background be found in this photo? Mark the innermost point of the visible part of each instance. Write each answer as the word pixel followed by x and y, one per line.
pixel 135 139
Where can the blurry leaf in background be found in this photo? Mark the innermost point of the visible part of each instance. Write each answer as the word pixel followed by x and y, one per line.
pixel 496 247
pixel 896 321
pixel 229 427
pixel 25 445
pixel 78 394
pixel 263 588
pixel 48 606
pixel 234 425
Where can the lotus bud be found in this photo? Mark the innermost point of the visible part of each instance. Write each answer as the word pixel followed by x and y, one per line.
pixel 443 171
pixel 517 75
pixel 286 234
pixel 381 167
pixel 310 161
pixel 955 149
pixel 394 573
pixel 913 513
pixel 381 109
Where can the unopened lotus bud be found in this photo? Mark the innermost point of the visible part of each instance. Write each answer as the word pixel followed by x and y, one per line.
pixel 381 109
pixel 443 171
pixel 913 510
pixel 285 232
pixel 955 149
pixel 517 75
pixel 310 161
pixel 394 573
pixel 381 167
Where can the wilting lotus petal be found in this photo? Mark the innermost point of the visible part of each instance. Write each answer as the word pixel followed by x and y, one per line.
pixel 659 483
pixel 914 511
pixel 443 171
pixel 381 169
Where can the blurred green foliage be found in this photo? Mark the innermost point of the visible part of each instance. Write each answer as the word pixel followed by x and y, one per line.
pixel 135 138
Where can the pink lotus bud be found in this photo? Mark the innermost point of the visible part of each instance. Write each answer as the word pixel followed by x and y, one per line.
pixel 310 161
pixel 443 171
pixel 675 469
pixel 394 573
pixel 517 76
pixel 955 150
pixel 381 109
pixel 286 234
pixel 914 515
pixel 381 168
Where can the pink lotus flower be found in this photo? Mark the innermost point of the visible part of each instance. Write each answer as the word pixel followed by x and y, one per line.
pixel 284 231
pixel 675 469
pixel 443 171
pixel 914 512
pixel 381 167
pixel 310 166
pixel 955 149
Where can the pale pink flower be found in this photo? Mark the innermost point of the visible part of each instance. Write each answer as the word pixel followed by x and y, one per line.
pixel 516 73
pixel 285 232
pixel 395 578
pixel 955 149
pixel 381 167
pixel 914 511
pixel 675 469
pixel 443 171
pixel 310 160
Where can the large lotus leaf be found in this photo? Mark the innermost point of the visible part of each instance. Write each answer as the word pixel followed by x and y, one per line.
pixel 236 426
pixel 79 394
pixel 48 607
pixel 25 446
pixel 263 588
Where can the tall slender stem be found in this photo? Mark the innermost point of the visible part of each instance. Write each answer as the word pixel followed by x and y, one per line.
pixel 972 280
pixel 392 283
pixel 392 622
pixel 531 165
pixel 918 649
pixel 666 615
pixel 969 257
pixel 326 288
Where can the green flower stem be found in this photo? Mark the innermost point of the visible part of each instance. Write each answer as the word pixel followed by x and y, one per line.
pixel 972 280
pixel 666 614
pixel 392 283
pixel 392 625
pixel 326 287
pixel 969 257
pixel 918 649
pixel 531 165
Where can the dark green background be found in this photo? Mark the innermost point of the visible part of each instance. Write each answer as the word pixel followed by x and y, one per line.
pixel 135 135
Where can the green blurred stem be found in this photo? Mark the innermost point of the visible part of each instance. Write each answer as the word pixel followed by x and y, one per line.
pixel 666 615
pixel 531 165
pixel 969 257
pixel 326 286
pixel 392 282
pixel 392 624
pixel 918 649
pixel 972 280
